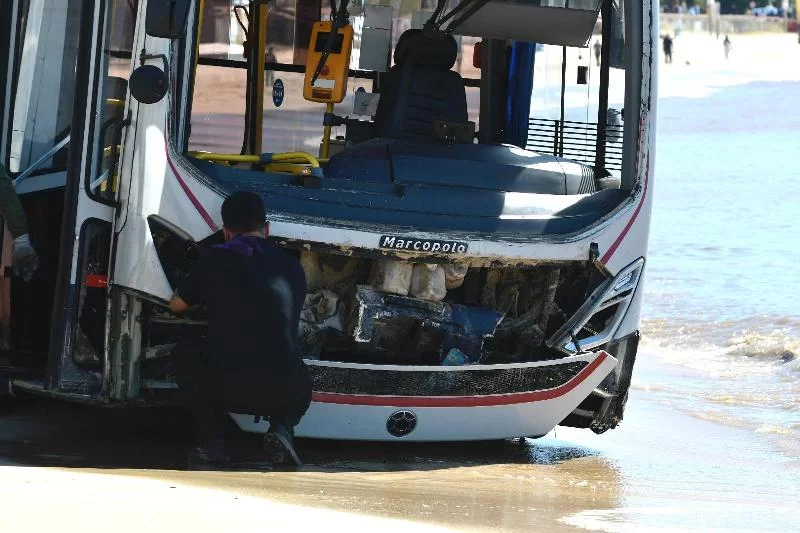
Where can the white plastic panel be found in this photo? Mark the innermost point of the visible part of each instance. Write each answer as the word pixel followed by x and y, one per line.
pixel 533 23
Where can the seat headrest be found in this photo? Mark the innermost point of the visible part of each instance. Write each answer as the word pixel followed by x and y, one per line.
pixel 426 48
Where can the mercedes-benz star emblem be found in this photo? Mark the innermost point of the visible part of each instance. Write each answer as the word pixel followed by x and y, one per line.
pixel 401 423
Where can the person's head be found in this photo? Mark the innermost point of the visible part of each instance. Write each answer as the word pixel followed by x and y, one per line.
pixel 243 213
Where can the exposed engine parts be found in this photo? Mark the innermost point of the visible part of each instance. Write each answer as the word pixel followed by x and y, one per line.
pixel 426 281
pixel 390 311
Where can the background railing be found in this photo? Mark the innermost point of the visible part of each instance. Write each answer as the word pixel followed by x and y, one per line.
pixel 575 140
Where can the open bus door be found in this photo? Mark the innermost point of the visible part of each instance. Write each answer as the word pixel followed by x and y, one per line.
pixel 160 203
pixel 62 112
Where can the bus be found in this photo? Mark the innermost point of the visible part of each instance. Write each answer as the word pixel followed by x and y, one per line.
pixel 467 184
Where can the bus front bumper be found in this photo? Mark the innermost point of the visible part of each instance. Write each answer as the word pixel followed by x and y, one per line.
pixel 433 403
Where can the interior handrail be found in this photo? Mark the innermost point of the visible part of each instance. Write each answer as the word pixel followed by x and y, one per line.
pixel 50 153
pixel 261 159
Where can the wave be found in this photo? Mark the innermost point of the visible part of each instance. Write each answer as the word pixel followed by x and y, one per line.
pixel 775 429
pixel 768 339
pixel 741 373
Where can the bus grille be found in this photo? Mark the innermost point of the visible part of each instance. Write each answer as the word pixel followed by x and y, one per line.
pixel 347 380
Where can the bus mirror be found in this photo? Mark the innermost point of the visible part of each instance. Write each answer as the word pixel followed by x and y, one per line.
pixel 167 18
pixel 148 84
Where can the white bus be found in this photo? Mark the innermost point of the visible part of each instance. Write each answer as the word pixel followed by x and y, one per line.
pixel 472 218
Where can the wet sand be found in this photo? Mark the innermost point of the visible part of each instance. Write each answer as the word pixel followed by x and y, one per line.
pixel 662 470
pixel 73 457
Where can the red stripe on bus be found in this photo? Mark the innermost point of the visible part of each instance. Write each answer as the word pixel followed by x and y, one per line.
pixel 192 198
pixel 617 242
pixel 462 401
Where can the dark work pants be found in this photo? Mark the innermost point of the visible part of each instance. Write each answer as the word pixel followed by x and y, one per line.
pixel 200 390
pixel 210 395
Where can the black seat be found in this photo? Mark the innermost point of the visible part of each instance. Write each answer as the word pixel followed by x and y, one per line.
pixel 420 88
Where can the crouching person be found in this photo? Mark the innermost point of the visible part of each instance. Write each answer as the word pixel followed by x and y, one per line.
pixel 250 362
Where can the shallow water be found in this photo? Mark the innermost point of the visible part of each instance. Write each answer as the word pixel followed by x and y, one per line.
pixel 721 305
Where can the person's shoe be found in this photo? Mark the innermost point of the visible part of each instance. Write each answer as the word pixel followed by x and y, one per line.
pixel 280 444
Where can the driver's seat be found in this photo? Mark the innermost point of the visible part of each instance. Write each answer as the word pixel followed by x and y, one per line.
pixel 420 88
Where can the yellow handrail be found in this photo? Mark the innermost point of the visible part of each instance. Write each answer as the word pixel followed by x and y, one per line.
pixel 262 12
pixel 299 158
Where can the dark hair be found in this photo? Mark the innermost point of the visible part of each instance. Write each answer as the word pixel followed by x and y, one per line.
pixel 243 211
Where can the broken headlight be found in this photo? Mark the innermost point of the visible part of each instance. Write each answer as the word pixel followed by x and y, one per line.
pixel 598 319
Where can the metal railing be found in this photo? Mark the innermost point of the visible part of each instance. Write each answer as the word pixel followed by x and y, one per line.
pixel 575 140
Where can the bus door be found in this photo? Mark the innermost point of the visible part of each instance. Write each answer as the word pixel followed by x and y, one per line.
pixel 158 188
pixel 160 195
pixel 63 111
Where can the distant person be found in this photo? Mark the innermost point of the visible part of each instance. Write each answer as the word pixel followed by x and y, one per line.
pixel 667 46
pixel 726 44
pixel 597 49
pixel 250 362
pixel 270 58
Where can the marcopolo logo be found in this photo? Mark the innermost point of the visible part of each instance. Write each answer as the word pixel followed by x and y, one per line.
pixel 395 242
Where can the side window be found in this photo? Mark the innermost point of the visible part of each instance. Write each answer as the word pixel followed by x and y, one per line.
pixel 119 25
pixel 44 85
pixel 218 105
pixel 218 108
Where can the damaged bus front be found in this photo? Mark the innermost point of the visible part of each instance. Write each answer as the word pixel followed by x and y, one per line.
pixel 465 188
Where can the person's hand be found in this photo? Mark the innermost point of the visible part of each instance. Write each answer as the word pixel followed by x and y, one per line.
pixel 25 258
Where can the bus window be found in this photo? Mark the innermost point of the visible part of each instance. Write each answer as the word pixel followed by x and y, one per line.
pixel 218 105
pixel 119 20
pixel 43 93
pixel 290 123
pixel 568 127
pixel 220 87
pixel 44 81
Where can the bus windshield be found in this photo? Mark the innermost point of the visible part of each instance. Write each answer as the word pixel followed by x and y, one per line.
pixel 290 123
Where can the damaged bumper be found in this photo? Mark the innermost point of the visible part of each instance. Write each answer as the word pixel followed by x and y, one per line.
pixel 435 403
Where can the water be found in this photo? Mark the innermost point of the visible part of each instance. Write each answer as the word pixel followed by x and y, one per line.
pixel 721 308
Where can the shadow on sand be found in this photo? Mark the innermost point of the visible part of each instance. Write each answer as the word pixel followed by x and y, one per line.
pixel 38 432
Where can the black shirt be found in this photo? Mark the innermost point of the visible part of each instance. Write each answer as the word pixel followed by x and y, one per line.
pixel 254 294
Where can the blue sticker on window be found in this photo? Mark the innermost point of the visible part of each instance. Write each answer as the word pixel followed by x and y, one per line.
pixel 277 93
